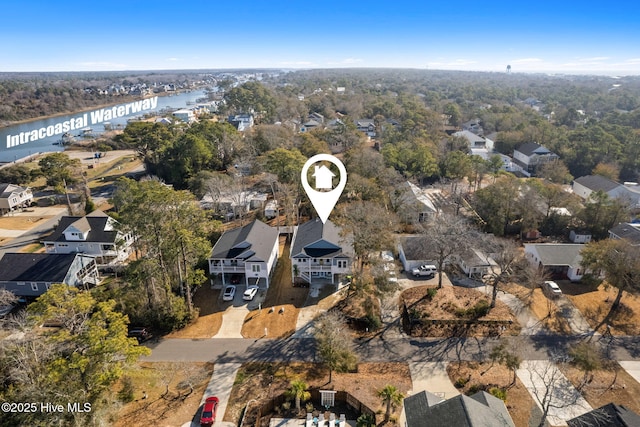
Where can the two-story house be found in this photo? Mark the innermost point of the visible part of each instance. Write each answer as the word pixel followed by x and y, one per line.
pixel 367 126
pixel 14 197
pixel 94 234
pixel 530 156
pixel 319 254
pixel 245 255
pixel 242 122
pixel 31 275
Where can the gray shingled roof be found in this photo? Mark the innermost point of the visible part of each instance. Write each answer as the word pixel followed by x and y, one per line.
pixel 528 148
pixel 479 410
pixel 96 223
pixel 471 137
pixel 559 254
pixel 597 183
pixel 417 248
pixel 309 237
pixel 628 232
pixel 7 189
pixel 25 267
pixel 252 242
pixel 610 415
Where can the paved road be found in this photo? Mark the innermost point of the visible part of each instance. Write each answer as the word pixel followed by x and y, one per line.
pixel 31 236
pixel 238 350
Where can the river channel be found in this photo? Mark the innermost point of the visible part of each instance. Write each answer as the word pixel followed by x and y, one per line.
pixel 49 143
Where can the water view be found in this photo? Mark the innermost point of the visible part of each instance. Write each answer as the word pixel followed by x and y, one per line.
pixel 51 143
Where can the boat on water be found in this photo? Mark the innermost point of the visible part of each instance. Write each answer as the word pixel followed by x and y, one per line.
pixel 66 139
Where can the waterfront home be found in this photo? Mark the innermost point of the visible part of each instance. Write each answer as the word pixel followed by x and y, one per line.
pixel 14 197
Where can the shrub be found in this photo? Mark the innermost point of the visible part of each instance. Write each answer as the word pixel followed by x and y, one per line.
pixel 366 420
pixel 481 308
pixel 126 393
pixel 461 382
pixel 431 292
pixel 309 407
pixel 474 389
pixel 499 393
pixel 374 322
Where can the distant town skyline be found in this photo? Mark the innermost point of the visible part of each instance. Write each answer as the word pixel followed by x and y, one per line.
pixel 543 36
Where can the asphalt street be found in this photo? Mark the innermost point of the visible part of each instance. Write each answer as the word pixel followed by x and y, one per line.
pixel 379 349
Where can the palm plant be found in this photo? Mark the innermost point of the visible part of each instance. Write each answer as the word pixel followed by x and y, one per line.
pixel 298 391
pixel 392 397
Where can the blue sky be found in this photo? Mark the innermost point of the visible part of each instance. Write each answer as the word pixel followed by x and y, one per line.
pixel 541 36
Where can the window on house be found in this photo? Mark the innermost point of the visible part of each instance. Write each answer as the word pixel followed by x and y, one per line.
pixel 342 263
pixel 255 268
pixel 21 283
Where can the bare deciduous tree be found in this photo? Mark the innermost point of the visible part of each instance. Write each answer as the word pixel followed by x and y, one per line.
pixel 446 236
pixel 334 344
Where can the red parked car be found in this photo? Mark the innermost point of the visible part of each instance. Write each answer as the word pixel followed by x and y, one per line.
pixel 209 412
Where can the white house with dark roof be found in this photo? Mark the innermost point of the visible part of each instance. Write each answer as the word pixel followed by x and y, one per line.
pixel 249 253
pixel 242 122
pixel 95 234
pixel 367 126
pixel 529 156
pixel 31 274
pixel 561 260
pixel 319 253
pixel 14 197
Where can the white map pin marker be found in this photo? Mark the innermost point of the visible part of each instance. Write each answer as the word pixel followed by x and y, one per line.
pixel 323 201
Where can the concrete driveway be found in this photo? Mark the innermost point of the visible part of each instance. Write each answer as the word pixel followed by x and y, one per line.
pixel 578 323
pixel 433 377
pixel 549 387
pixel 237 310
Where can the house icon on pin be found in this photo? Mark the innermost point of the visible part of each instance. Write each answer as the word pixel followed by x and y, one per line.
pixel 323 178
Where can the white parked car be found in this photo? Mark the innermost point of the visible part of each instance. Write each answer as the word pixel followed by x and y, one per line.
pixel 425 271
pixel 229 293
pixel 552 289
pixel 250 293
